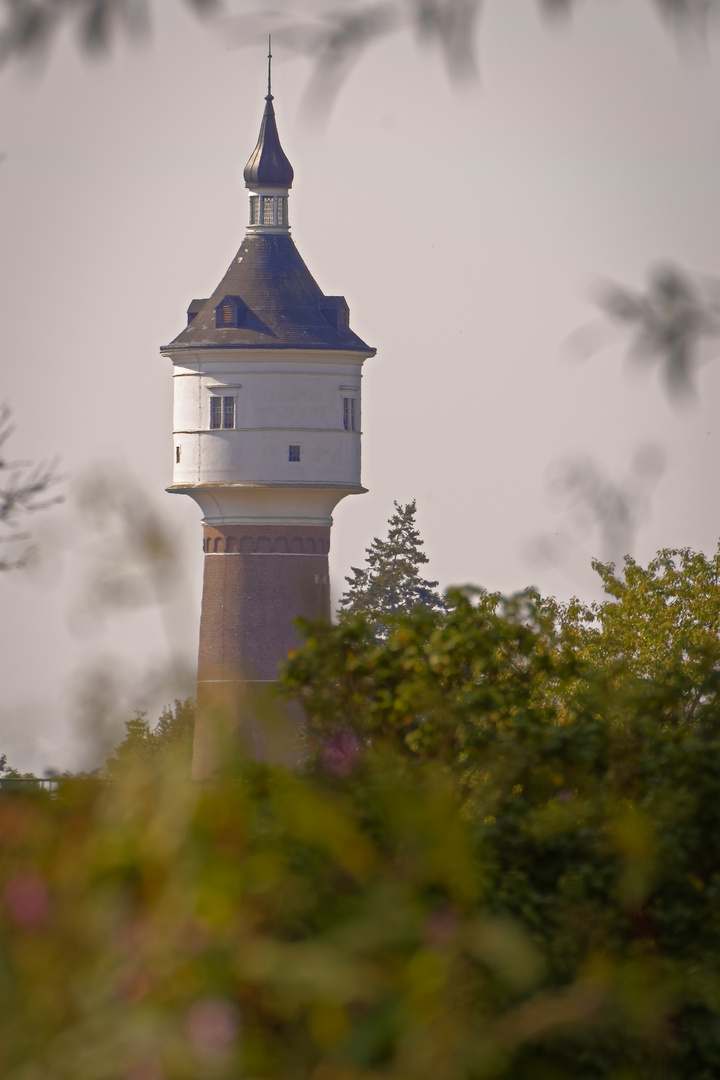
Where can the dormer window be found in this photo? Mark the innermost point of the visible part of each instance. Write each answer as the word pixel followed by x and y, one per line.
pixel 336 311
pixel 229 312
pixel 193 309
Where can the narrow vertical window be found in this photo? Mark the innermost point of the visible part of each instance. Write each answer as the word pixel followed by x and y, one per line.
pixel 268 214
pixel 215 412
pixel 254 209
pixel 228 412
pixel 281 209
pixel 227 314
pixel 293 453
pixel 349 413
pixel 177 455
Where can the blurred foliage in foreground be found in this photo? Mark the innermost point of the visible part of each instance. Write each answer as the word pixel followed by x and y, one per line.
pixel 501 859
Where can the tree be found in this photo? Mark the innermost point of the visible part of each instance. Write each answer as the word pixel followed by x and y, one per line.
pixel 7 770
pixel 441 685
pixel 585 746
pixel 661 618
pixel 24 489
pixel 510 872
pixel 391 581
pixel 144 745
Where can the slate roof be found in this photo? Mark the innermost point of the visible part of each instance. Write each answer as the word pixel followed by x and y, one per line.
pixel 280 304
pixel 268 165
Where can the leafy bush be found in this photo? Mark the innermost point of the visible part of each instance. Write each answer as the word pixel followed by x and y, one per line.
pixel 501 859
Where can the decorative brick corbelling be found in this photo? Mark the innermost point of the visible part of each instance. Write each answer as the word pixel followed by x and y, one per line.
pixel 266 539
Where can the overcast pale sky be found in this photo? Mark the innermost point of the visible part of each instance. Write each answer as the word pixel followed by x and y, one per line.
pixel 464 224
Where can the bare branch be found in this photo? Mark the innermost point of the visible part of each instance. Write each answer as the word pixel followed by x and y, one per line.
pixel 24 488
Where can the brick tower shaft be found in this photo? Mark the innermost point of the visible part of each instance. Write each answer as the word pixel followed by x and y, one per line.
pixel 257 580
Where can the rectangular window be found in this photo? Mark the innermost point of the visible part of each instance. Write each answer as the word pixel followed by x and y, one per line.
pixel 281 209
pixel 293 453
pixel 177 455
pixel 267 210
pixel 254 209
pixel 349 413
pixel 222 412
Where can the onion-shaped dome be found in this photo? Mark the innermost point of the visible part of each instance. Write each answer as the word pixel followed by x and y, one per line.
pixel 268 165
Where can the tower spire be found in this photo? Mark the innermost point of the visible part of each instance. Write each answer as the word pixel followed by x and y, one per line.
pixel 268 166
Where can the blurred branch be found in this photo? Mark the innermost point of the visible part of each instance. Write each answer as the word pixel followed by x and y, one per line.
pixel 335 37
pixel 674 325
pixel 24 489
pixel 29 27
pixel 335 33
pixel 687 16
pixel 598 508
pixel 136 561
pixel 133 559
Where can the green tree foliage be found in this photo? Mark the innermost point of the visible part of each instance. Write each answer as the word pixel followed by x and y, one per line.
pixel 585 746
pixel 663 616
pixel 390 582
pixel 6 770
pixel 143 744
pixel 501 860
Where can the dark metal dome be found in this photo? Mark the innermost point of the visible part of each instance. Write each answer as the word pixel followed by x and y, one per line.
pixel 268 166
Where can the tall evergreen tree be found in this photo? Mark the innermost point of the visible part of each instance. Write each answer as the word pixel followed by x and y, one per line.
pixel 390 582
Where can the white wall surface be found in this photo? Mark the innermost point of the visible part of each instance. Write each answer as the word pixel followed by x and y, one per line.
pixel 280 402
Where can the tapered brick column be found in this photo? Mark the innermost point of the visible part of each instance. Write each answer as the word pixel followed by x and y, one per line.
pixel 257 580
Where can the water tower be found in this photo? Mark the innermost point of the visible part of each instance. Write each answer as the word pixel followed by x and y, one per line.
pixel 266 429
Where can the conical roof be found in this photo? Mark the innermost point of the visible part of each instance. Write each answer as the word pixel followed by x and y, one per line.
pixel 280 305
pixel 268 165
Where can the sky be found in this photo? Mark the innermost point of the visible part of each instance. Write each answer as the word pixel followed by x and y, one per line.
pixel 465 222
